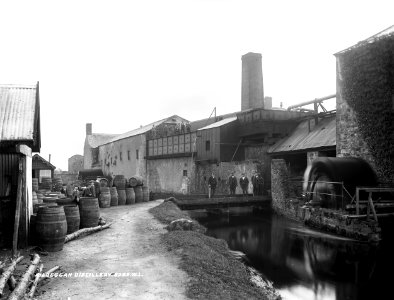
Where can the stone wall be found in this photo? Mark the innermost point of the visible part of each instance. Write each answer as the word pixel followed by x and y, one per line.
pixel 75 163
pixel 120 157
pixel 223 171
pixel 280 191
pixel 167 175
pixel 259 155
pixel 365 105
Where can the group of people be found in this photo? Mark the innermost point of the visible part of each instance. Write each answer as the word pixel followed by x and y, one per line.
pixel 257 182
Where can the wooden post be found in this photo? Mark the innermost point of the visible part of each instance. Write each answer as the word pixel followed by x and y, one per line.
pixel 24 213
pixel 17 209
pixel 357 201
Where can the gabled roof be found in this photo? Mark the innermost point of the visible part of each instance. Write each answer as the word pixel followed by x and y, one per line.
pixel 97 139
pixel 38 160
pixel 220 123
pixel 301 139
pixel 146 128
pixel 387 33
pixel 20 115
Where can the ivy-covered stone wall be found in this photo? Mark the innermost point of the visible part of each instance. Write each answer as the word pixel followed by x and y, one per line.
pixel 365 105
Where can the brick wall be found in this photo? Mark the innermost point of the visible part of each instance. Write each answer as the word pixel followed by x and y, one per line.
pixel 365 112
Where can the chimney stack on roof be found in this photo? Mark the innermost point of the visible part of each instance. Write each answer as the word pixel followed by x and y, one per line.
pixel 252 82
pixel 88 128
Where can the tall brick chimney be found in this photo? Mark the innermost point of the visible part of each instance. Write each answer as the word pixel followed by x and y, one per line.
pixel 252 82
pixel 88 128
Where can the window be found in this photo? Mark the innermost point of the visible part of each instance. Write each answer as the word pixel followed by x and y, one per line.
pixel 208 146
pixel 120 155
pixel 95 156
pixel 128 155
pixel 184 172
pixel 136 154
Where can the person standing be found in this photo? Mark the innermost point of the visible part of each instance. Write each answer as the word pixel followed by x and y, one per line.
pixel 244 183
pixel 260 185
pixel 212 182
pixel 232 182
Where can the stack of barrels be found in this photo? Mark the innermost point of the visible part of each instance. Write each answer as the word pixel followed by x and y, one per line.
pixel 120 184
pixel 35 184
pixel 46 183
pixel 57 184
pixel 122 191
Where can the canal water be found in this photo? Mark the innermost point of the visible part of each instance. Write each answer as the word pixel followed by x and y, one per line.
pixel 303 263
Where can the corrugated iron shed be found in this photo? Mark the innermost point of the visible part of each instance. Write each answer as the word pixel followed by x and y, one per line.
pixel 220 123
pixel 20 115
pixel 322 135
pixel 387 33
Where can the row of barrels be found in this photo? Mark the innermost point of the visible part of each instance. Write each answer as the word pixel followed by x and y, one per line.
pixel 48 183
pixel 113 196
pixel 53 222
pixel 122 183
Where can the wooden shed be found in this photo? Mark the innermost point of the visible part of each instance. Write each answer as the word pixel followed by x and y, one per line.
pixel 42 168
pixel 220 142
pixel 19 137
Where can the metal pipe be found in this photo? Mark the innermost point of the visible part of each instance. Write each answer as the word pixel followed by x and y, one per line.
pixel 311 101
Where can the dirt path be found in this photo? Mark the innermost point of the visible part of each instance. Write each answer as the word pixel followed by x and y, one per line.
pixel 131 245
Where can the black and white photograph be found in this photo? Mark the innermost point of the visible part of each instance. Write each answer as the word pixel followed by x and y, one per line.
pixel 196 149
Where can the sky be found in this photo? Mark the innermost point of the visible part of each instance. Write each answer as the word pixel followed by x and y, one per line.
pixel 121 64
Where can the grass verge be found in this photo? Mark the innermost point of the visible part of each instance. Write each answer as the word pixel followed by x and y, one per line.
pixel 215 273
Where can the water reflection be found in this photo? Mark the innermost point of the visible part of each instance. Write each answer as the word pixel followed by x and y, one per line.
pixel 303 263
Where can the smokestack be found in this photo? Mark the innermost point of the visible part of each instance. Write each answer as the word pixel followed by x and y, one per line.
pixel 252 82
pixel 88 128
pixel 49 158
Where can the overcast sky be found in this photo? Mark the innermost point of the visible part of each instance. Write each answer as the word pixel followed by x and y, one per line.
pixel 122 64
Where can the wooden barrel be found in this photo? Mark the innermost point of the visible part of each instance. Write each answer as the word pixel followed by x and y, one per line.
pixel 35 184
pixel 46 183
pixel 36 207
pixel 57 184
pixel 49 200
pixel 72 218
pixel 51 228
pixel 138 194
pixel 103 182
pixel 40 197
pixel 145 194
pixel 136 181
pixel 120 182
pixel 121 197
pixel 64 201
pixel 130 196
pixel 69 190
pixel 114 196
pixel 89 212
pixel 105 197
